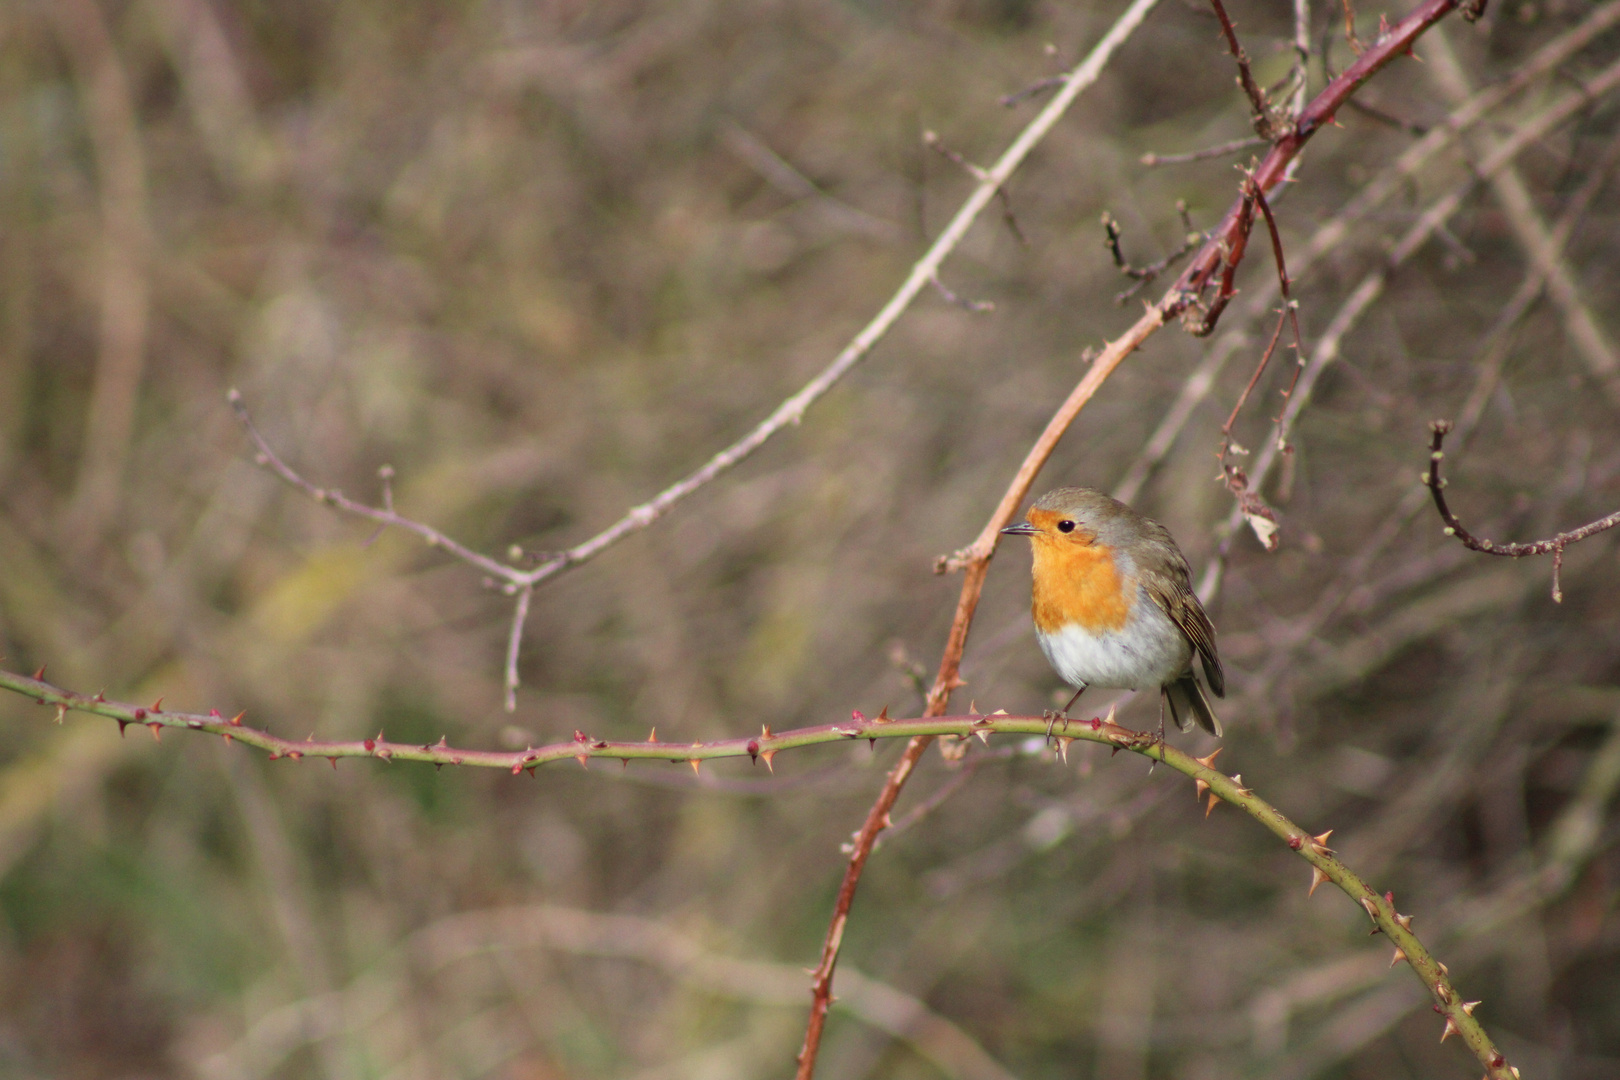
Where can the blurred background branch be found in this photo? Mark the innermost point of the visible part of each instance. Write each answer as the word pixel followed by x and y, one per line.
pixel 517 251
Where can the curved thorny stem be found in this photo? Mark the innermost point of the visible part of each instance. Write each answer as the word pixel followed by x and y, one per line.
pixel 1554 545
pixel 1207 781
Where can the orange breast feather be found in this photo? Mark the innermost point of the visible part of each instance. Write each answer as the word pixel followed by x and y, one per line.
pixel 1077 583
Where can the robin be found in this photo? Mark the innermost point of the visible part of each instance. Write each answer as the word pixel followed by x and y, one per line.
pixel 1114 606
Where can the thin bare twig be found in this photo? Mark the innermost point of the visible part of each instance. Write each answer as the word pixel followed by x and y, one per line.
pixel 1289 315
pixel 951 297
pixel 1290 306
pixel 1553 545
pixel 1207 780
pixel 1373 112
pixel 1265 119
pixel 1152 160
pixel 794 184
pixel 1144 276
pixel 1040 86
pixel 384 515
pixel 932 140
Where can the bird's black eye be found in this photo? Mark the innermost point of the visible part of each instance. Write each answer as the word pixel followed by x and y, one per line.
pixel 1066 525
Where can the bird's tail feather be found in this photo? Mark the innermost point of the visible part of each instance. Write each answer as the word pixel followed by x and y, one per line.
pixel 1188 702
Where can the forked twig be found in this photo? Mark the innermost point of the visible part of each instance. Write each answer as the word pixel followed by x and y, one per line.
pixel 932 140
pixel 1144 276
pixel 1152 160
pixel 1554 545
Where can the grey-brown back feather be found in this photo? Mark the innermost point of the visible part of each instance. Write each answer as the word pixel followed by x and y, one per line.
pixel 1186 612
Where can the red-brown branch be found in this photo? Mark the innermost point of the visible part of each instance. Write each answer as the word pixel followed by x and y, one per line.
pixel 1289 315
pixel 1226 244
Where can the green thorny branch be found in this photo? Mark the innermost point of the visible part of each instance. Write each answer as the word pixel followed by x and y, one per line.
pixel 1458 1014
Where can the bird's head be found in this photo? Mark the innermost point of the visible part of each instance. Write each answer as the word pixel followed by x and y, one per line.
pixel 1071 517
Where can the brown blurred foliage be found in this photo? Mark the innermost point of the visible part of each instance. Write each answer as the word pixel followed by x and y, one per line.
pixel 531 254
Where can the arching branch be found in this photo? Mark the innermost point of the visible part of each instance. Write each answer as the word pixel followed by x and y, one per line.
pixel 1554 544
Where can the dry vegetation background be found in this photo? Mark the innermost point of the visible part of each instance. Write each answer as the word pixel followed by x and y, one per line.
pixel 534 256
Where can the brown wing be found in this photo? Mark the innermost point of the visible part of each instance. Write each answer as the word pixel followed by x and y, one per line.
pixel 1179 602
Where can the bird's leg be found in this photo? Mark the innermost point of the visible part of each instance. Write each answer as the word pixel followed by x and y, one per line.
pixel 1053 717
pixel 1159 740
pixel 1070 705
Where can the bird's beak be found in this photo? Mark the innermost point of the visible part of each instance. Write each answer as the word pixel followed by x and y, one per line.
pixel 1023 528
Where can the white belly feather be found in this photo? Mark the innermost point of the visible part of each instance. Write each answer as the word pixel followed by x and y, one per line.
pixel 1148 652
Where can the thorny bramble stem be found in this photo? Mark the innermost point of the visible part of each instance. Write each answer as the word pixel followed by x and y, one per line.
pixel 583 748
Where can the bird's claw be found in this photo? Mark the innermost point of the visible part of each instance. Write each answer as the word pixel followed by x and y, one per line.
pixel 1051 719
